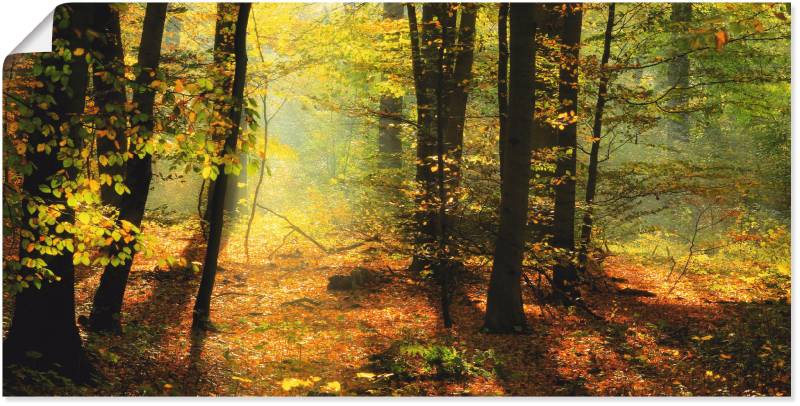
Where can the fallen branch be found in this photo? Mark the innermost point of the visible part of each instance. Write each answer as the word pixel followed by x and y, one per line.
pixel 283 242
pixel 295 228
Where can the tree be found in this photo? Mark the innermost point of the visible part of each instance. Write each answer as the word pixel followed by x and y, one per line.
pixel 597 133
pixel 678 77
pixel 504 311
pixel 109 100
pixel 390 147
pixel 422 53
pixel 442 57
pixel 442 62
pixel 43 334
pixel 107 305
pixel 502 79
pixel 564 271
pixel 230 48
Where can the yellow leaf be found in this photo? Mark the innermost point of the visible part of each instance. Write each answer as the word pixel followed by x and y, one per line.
pixel 78 51
pixel 368 375
pixel 288 384
pixel 332 387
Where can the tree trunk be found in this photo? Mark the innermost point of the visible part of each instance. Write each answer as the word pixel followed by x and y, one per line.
pixel 423 54
pixel 678 76
pixel 390 147
pixel 502 79
pixel 597 132
pixel 43 334
pixel 504 312
pixel 226 41
pixel 109 97
pixel 564 272
pixel 457 92
pixel 107 305
pixel 549 26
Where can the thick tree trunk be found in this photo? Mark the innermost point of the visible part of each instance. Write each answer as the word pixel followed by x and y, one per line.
pixel 107 305
pixel 564 272
pixel 390 148
pixel 504 311
pixel 227 30
pixel 597 133
pixel 678 76
pixel 43 334
pixel 502 79
pixel 109 97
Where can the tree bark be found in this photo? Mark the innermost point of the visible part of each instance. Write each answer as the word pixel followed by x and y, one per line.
pixel 502 79
pixel 107 305
pixel 225 27
pixel 390 148
pixel 597 132
pixel 564 272
pixel 43 334
pixel 504 311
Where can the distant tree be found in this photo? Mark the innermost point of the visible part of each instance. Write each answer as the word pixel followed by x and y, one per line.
pixel 678 77
pixel 43 334
pixel 390 147
pixel 504 311
pixel 230 49
pixel 107 305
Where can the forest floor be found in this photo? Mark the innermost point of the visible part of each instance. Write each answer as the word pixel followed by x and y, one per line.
pixel 281 332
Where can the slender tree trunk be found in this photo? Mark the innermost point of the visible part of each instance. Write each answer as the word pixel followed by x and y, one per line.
pixel 43 334
pixel 678 76
pixel 504 311
pixel 502 79
pixel 390 147
pixel 109 98
pixel 457 92
pixel 202 306
pixel 564 272
pixel 107 305
pixel 597 132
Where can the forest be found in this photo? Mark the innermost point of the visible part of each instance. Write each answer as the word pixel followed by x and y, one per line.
pixel 400 199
